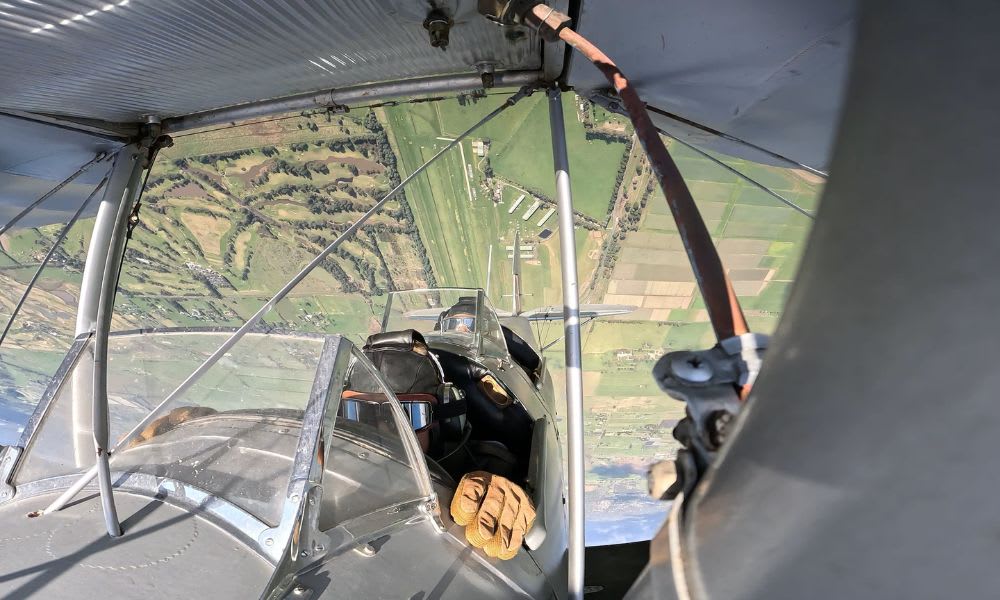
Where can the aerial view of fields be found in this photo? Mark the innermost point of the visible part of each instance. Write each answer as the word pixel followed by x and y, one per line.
pixel 231 213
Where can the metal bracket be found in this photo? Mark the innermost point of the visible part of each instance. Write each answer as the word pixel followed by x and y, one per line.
pixel 487 72
pixel 707 382
pixel 8 460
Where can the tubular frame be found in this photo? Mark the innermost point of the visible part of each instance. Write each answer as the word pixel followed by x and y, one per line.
pixel 573 351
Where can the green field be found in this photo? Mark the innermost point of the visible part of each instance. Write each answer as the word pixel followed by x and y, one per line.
pixel 460 231
pixel 521 147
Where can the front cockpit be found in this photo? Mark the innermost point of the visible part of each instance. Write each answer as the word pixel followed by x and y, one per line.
pixel 458 317
pixel 444 354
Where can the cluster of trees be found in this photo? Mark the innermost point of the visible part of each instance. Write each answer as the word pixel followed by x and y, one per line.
pixel 215 185
pixel 387 157
pixel 608 137
pixel 365 269
pixel 246 219
pixel 174 177
pixel 629 222
pixel 355 143
pixel 337 272
pixel 607 260
pixel 205 281
pixel 372 236
pixel 211 159
pixel 299 170
pixel 619 177
pixel 318 204
pixel 633 213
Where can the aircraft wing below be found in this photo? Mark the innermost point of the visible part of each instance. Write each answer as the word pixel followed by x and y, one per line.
pixel 423 314
pixel 587 311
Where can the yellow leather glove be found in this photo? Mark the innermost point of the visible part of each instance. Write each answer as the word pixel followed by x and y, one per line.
pixel 495 512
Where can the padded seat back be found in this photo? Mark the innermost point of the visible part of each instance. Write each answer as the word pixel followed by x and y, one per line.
pixel 403 360
pixel 414 375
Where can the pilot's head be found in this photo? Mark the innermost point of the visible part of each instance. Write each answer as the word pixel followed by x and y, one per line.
pixel 460 318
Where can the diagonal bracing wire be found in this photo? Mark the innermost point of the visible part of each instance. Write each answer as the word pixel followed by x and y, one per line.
pixel 48 256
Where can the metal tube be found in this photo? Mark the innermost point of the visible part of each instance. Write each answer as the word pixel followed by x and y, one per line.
pixel 294 281
pixel 740 174
pixel 48 256
pixel 100 238
pixel 100 156
pixel 573 352
pixel 105 311
pixel 90 298
pixel 113 132
pixel 366 92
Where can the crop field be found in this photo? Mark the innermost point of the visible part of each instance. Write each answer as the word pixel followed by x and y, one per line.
pixel 760 241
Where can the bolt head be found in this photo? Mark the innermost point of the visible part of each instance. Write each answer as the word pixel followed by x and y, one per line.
pixel 692 369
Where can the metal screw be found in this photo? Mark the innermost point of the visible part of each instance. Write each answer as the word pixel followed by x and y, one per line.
pixel 269 542
pixel 438 25
pixel 692 369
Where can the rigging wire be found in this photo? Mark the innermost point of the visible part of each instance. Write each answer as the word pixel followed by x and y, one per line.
pixel 739 173
pixel 83 169
pixel 50 254
pixel 734 139
pixel 133 218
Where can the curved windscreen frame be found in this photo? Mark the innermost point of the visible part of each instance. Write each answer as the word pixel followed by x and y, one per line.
pixel 456 316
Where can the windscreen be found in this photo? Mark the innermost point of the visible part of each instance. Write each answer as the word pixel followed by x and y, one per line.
pixel 233 433
pixel 369 465
pixel 451 315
